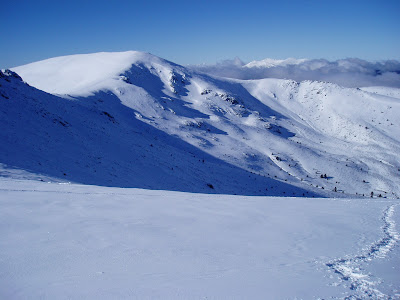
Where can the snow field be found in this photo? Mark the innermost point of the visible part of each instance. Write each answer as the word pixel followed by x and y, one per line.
pixel 80 242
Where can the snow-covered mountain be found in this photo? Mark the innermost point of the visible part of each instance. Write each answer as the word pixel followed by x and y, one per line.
pixel 99 141
pixel 115 120
pixel 349 72
pixel 269 63
pixel 135 120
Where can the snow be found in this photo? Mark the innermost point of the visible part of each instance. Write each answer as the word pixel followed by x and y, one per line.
pixel 81 74
pixel 70 241
pixel 269 63
pixel 99 140
pixel 123 175
pixel 290 132
pixel 349 72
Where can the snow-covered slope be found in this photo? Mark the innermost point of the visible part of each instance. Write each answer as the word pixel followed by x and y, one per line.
pixel 61 241
pixel 286 131
pixel 82 74
pixel 97 140
pixel 119 120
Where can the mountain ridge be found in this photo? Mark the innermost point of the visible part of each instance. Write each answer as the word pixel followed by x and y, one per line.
pixel 98 141
pixel 292 132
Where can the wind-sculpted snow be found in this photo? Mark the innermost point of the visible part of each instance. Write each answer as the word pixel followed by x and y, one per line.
pixel 80 74
pixel 309 134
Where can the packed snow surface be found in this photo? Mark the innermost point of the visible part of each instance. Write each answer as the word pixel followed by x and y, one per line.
pixel 66 241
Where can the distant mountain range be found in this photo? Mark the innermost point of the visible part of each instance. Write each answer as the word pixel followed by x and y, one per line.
pixel 350 72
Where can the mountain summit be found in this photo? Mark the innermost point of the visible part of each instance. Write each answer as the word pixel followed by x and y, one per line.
pixel 83 73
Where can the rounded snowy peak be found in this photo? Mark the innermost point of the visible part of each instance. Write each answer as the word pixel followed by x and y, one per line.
pixel 83 73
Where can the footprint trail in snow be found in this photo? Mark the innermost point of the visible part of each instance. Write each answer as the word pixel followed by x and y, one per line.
pixel 349 269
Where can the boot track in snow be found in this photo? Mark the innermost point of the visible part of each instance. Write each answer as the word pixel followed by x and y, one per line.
pixel 349 268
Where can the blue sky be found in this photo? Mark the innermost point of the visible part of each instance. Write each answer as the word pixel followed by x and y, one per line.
pixel 193 32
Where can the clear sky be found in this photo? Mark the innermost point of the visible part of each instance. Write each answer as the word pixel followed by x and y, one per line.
pixel 194 32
